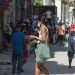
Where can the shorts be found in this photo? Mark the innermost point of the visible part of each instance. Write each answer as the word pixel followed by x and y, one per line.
pixel 70 54
pixel 61 37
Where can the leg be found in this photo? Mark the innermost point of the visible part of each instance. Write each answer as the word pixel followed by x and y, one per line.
pixel 14 61
pixel 44 69
pixel 70 61
pixel 70 57
pixel 23 62
pixel 37 70
pixel 19 64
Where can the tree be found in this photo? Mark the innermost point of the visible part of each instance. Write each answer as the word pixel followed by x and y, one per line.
pixel 39 2
pixel 9 1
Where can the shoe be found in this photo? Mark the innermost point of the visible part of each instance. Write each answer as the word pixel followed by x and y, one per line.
pixel 13 72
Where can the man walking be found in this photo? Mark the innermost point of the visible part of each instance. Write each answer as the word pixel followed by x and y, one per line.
pixel 60 33
pixel 17 50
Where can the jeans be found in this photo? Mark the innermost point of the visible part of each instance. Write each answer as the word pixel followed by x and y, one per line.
pixel 17 62
pixel 70 54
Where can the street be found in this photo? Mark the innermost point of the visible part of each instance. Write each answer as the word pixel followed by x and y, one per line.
pixel 57 64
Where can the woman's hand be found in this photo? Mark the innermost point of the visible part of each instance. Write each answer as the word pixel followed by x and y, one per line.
pixel 32 37
pixel 34 41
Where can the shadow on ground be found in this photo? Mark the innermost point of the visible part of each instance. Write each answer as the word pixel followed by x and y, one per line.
pixel 55 68
pixel 57 48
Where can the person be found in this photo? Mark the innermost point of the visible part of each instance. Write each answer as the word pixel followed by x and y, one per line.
pixel 72 27
pixel 25 45
pixel 60 32
pixel 17 50
pixel 71 43
pixel 34 45
pixel 42 51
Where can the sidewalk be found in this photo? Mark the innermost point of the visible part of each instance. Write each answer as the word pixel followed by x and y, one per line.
pixel 57 64
pixel 5 58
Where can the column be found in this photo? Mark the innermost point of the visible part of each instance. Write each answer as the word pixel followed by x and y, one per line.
pixel 1 29
pixel 14 13
pixel 5 17
pixel 58 5
pixel 71 14
pixel 46 2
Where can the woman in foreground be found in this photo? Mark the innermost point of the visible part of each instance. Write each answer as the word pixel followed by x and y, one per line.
pixel 42 50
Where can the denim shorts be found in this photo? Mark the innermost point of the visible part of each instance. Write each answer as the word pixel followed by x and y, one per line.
pixel 70 54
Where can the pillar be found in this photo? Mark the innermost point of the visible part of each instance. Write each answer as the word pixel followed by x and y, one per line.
pixel 71 14
pixel 46 2
pixel 1 29
pixel 58 5
pixel 14 13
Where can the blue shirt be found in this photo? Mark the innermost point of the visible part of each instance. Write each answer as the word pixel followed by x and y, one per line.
pixel 17 42
pixel 71 40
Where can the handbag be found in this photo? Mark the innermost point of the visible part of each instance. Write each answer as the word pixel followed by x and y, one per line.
pixel 45 51
pixel 42 53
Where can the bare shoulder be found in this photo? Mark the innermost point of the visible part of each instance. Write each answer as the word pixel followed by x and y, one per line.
pixel 44 28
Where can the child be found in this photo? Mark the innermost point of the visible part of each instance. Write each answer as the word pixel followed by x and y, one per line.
pixel 17 50
pixel 71 41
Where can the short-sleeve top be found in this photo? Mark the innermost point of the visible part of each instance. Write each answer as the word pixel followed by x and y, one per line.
pixel 71 40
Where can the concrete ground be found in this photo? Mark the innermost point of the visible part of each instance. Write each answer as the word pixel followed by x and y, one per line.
pixel 57 64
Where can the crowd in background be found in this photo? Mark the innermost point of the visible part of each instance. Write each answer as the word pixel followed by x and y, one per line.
pixel 58 34
pixel 30 27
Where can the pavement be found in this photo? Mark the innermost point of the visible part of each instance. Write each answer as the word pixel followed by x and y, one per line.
pixel 57 64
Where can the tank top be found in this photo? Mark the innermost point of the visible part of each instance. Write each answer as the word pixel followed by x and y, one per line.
pixel 40 36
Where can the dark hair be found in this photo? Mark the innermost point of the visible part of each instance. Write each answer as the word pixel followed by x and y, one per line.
pixel 42 20
pixel 39 18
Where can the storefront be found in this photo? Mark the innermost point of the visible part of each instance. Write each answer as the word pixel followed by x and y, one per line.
pixel 50 11
pixel 3 8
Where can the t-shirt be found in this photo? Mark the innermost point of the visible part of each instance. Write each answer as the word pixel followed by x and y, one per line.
pixel 72 27
pixel 17 42
pixel 71 40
